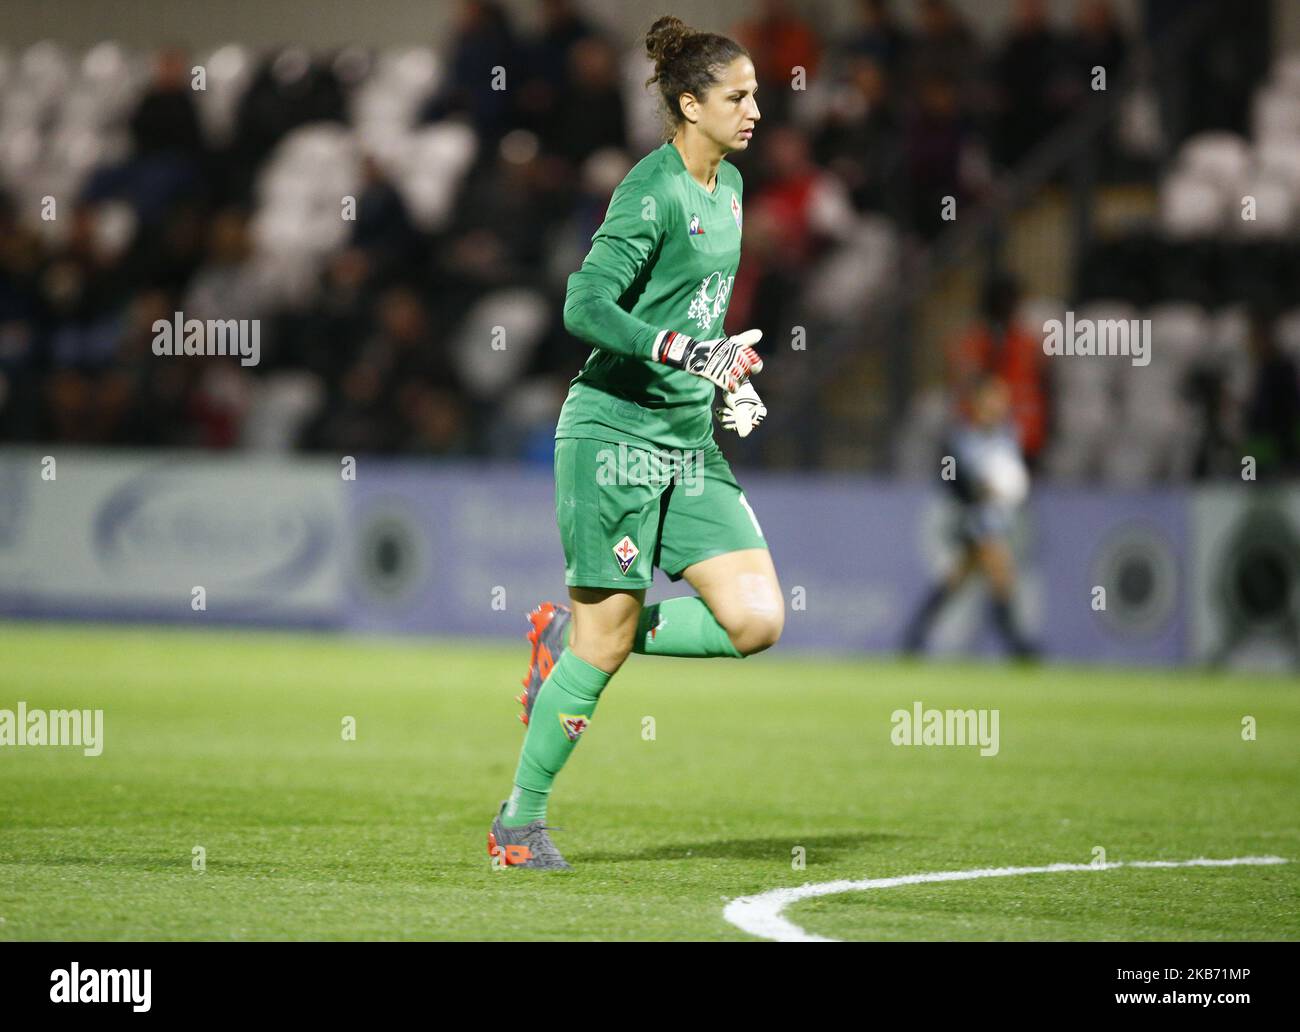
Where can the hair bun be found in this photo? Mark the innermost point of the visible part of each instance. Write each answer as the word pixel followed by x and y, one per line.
pixel 666 38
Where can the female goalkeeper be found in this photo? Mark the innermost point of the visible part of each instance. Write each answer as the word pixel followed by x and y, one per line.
pixel 639 480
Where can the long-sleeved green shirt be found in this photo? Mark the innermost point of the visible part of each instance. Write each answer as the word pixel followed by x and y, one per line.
pixel 665 258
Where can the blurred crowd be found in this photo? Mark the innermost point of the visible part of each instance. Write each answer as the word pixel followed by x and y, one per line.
pixel 472 205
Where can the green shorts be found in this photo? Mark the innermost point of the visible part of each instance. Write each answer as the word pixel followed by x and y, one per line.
pixel 624 510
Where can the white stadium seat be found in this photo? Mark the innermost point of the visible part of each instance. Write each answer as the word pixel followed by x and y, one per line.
pixel 1191 206
pixel 228 71
pixel 1274 209
pixel 1275 115
pixel 1180 335
pixel 517 317
pixel 1223 158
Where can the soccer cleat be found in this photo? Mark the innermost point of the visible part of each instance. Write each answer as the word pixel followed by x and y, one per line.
pixel 525 846
pixel 548 623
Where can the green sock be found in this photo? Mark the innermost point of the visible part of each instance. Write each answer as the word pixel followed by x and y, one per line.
pixel 682 627
pixel 561 713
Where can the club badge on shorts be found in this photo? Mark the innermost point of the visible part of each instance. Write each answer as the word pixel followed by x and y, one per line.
pixel 735 209
pixel 625 552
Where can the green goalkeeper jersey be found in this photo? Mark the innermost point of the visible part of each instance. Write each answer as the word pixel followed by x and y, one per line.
pixel 664 259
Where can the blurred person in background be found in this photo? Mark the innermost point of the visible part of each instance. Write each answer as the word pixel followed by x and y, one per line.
pixel 548 71
pixel 860 140
pixel 1215 448
pixel 383 230
pixel 225 286
pixel 878 37
pixel 166 121
pixel 82 294
pixel 20 372
pixel 1032 81
pixel 484 40
pixel 796 193
pixel 322 339
pixel 990 483
pixel 289 90
pixel 944 47
pixel 1096 41
pixel 589 114
pixel 938 156
pixel 401 393
pixel 1271 419
pixel 1001 346
pixel 781 40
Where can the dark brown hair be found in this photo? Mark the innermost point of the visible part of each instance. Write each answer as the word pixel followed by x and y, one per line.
pixel 686 61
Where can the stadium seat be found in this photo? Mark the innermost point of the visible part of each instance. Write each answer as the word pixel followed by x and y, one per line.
pixel 1274 208
pixel 392 95
pixel 1280 159
pixel 433 164
pixel 107 89
pixel 1092 376
pixel 1286 73
pixel 1275 115
pixel 1033 312
pixel 1222 158
pixel 229 71
pixel 523 315
pixel 1191 206
pixel 1180 336
pixel 45 70
pixel 1229 328
pixel 849 277
pixel 1287 329
pixel 281 404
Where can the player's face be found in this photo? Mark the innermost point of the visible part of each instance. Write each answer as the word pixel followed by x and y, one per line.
pixel 729 111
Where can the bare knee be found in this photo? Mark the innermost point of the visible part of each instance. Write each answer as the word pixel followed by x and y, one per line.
pixel 604 625
pixel 756 621
pixel 606 651
pixel 756 633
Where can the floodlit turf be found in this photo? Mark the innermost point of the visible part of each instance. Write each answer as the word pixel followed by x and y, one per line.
pixel 231 742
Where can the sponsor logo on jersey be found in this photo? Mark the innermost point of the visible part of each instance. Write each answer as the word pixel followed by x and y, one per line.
pixel 710 300
pixel 735 209
pixel 694 229
pixel 625 552
pixel 574 724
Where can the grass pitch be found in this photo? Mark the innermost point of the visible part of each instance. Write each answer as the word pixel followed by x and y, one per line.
pixel 232 742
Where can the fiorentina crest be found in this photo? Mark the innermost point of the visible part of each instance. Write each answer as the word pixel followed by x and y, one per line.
pixel 625 552
pixel 574 724
pixel 735 209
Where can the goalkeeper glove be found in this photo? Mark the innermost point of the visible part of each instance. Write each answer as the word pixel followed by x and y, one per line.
pixel 725 361
pixel 742 410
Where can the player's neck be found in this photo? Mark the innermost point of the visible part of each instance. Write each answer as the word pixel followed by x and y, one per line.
pixel 700 157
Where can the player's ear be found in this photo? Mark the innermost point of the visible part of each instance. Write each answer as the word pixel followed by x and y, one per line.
pixel 690 106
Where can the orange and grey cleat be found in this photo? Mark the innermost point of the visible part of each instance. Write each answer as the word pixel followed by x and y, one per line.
pixel 525 846
pixel 548 623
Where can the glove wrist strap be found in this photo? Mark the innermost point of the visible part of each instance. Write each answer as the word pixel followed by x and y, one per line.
pixel 670 347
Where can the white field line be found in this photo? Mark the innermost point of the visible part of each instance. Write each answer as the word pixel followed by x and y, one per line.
pixel 761 915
